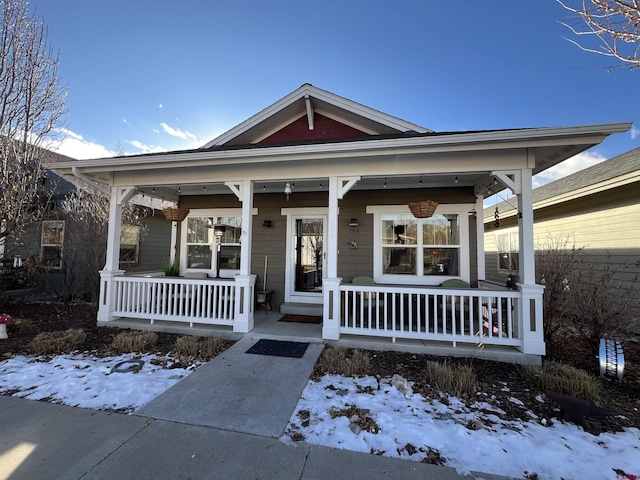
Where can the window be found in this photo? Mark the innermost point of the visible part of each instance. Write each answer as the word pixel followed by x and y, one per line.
pixel 130 244
pixel 406 247
pixel 201 245
pixel 508 251
pixel 51 242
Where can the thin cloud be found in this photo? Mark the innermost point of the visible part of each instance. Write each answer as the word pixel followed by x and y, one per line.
pixel 174 132
pixel 124 120
pixel 155 130
pixel 160 106
pixel 572 165
pixel 635 132
pixel 145 148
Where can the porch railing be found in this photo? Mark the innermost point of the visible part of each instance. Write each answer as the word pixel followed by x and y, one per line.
pixel 431 313
pixel 176 299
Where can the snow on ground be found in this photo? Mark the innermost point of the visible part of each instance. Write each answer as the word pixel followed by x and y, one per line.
pixel 380 419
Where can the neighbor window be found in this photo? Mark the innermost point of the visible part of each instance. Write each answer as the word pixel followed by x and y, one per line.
pixel 507 251
pixel 130 244
pixel 406 246
pixel 201 243
pixel 51 242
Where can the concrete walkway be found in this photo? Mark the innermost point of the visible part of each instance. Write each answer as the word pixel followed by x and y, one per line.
pixel 221 422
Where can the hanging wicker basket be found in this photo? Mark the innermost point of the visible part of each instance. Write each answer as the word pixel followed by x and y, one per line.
pixel 424 209
pixel 175 214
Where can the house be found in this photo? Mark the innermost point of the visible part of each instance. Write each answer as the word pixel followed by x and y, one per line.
pixel 597 209
pixel 314 191
pixel 60 247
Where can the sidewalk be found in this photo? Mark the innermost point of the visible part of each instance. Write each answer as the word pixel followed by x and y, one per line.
pixel 221 422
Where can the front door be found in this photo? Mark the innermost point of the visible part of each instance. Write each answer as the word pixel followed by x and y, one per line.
pixel 305 258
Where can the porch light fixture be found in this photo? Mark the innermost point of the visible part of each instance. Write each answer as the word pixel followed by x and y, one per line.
pixel 266 223
pixel 287 190
pixel 218 230
pixel 354 222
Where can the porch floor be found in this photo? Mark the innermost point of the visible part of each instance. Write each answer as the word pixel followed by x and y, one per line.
pixel 267 326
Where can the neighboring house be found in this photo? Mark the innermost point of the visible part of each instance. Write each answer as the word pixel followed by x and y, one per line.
pixel 49 241
pixel 597 209
pixel 314 191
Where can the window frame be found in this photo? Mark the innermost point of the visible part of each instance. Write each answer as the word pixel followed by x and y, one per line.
pixel 513 242
pixel 136 259
pixel 60 245
pixel 215 213
pixel 464 268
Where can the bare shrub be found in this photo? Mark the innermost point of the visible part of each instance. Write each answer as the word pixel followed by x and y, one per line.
pixel 189 348
pixel 602 303
pixel 21 325
pixel 53 343
pixel 557 261
pixel 129 342
pixel 459 380
pixel 564 379
pixel 341 361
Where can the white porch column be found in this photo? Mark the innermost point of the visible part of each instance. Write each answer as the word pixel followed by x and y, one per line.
pixel 119 196
pixel 245 282
pixel 530 306
pixel 331 284
pixel 525 230
pixel 480 260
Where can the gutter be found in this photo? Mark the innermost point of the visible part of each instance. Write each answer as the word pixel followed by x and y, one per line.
pixel 98 186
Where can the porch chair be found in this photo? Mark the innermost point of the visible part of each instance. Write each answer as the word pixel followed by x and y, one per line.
pixel 453 308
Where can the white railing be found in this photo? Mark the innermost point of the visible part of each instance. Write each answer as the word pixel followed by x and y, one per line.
pixel 431 313
pixel 176 299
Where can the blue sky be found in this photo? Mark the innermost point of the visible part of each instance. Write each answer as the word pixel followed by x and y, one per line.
pixel 157 75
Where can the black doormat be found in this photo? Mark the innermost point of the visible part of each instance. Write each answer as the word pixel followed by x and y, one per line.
pixel 279 348
pixel 301 319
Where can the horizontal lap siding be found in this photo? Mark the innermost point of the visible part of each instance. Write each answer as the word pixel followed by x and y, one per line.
pixel 351 261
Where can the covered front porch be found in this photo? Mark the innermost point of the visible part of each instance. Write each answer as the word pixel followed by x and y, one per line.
pixel 321 186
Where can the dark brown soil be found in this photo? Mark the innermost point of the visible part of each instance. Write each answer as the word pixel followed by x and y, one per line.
pixel 497 381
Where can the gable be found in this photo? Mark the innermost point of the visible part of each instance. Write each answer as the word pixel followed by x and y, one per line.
pixel 344 118
pixel 323 128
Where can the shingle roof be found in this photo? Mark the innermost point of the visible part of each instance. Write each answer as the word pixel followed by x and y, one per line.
pixel 623 164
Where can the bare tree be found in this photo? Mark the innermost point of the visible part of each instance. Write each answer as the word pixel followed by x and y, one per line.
pixel 614 23
pixel 86 214
pixel 32 106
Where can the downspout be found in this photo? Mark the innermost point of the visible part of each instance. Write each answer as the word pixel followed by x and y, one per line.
pixel 91 183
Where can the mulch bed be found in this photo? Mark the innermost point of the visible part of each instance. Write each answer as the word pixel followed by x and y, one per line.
pixel 496 379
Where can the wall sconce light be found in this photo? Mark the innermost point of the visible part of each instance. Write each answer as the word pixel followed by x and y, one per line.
pixel 218 230
pixel 353 222
pixel 287 190
pixel 266 223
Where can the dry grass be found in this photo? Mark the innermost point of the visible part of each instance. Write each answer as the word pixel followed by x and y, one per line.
pixel 564 379
pixel 130 342
pixel 53 343
pixel 21 325
pixel 459 380
pixel 337 361
pixel 189 348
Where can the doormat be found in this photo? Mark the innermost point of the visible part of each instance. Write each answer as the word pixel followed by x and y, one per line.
pixel 279 348
pixel 301 319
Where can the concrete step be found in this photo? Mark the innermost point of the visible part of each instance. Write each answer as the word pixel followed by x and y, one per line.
pixel 301 309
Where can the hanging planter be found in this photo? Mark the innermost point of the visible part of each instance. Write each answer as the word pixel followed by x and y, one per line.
pixel 175 214
pixel 423 209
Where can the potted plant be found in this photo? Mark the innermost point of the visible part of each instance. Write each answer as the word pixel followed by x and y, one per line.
pixel 171 269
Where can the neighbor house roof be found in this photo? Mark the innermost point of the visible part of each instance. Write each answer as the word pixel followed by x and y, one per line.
pixel 617 171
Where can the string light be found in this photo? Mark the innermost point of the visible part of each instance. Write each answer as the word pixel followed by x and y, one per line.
pixel 420 181
pixel 385 183
pixel 456 179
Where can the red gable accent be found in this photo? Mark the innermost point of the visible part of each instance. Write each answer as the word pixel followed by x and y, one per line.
pixel 323 127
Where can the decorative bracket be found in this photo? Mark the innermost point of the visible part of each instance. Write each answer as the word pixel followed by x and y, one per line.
pixel 309 105
pixel 510 179
pixel 236 188
pixel 345 184
pixel 125 194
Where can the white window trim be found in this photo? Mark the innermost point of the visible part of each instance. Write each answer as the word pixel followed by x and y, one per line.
pixel 511 232
pixel 60 245
pixel 207 212
pixel 377 211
